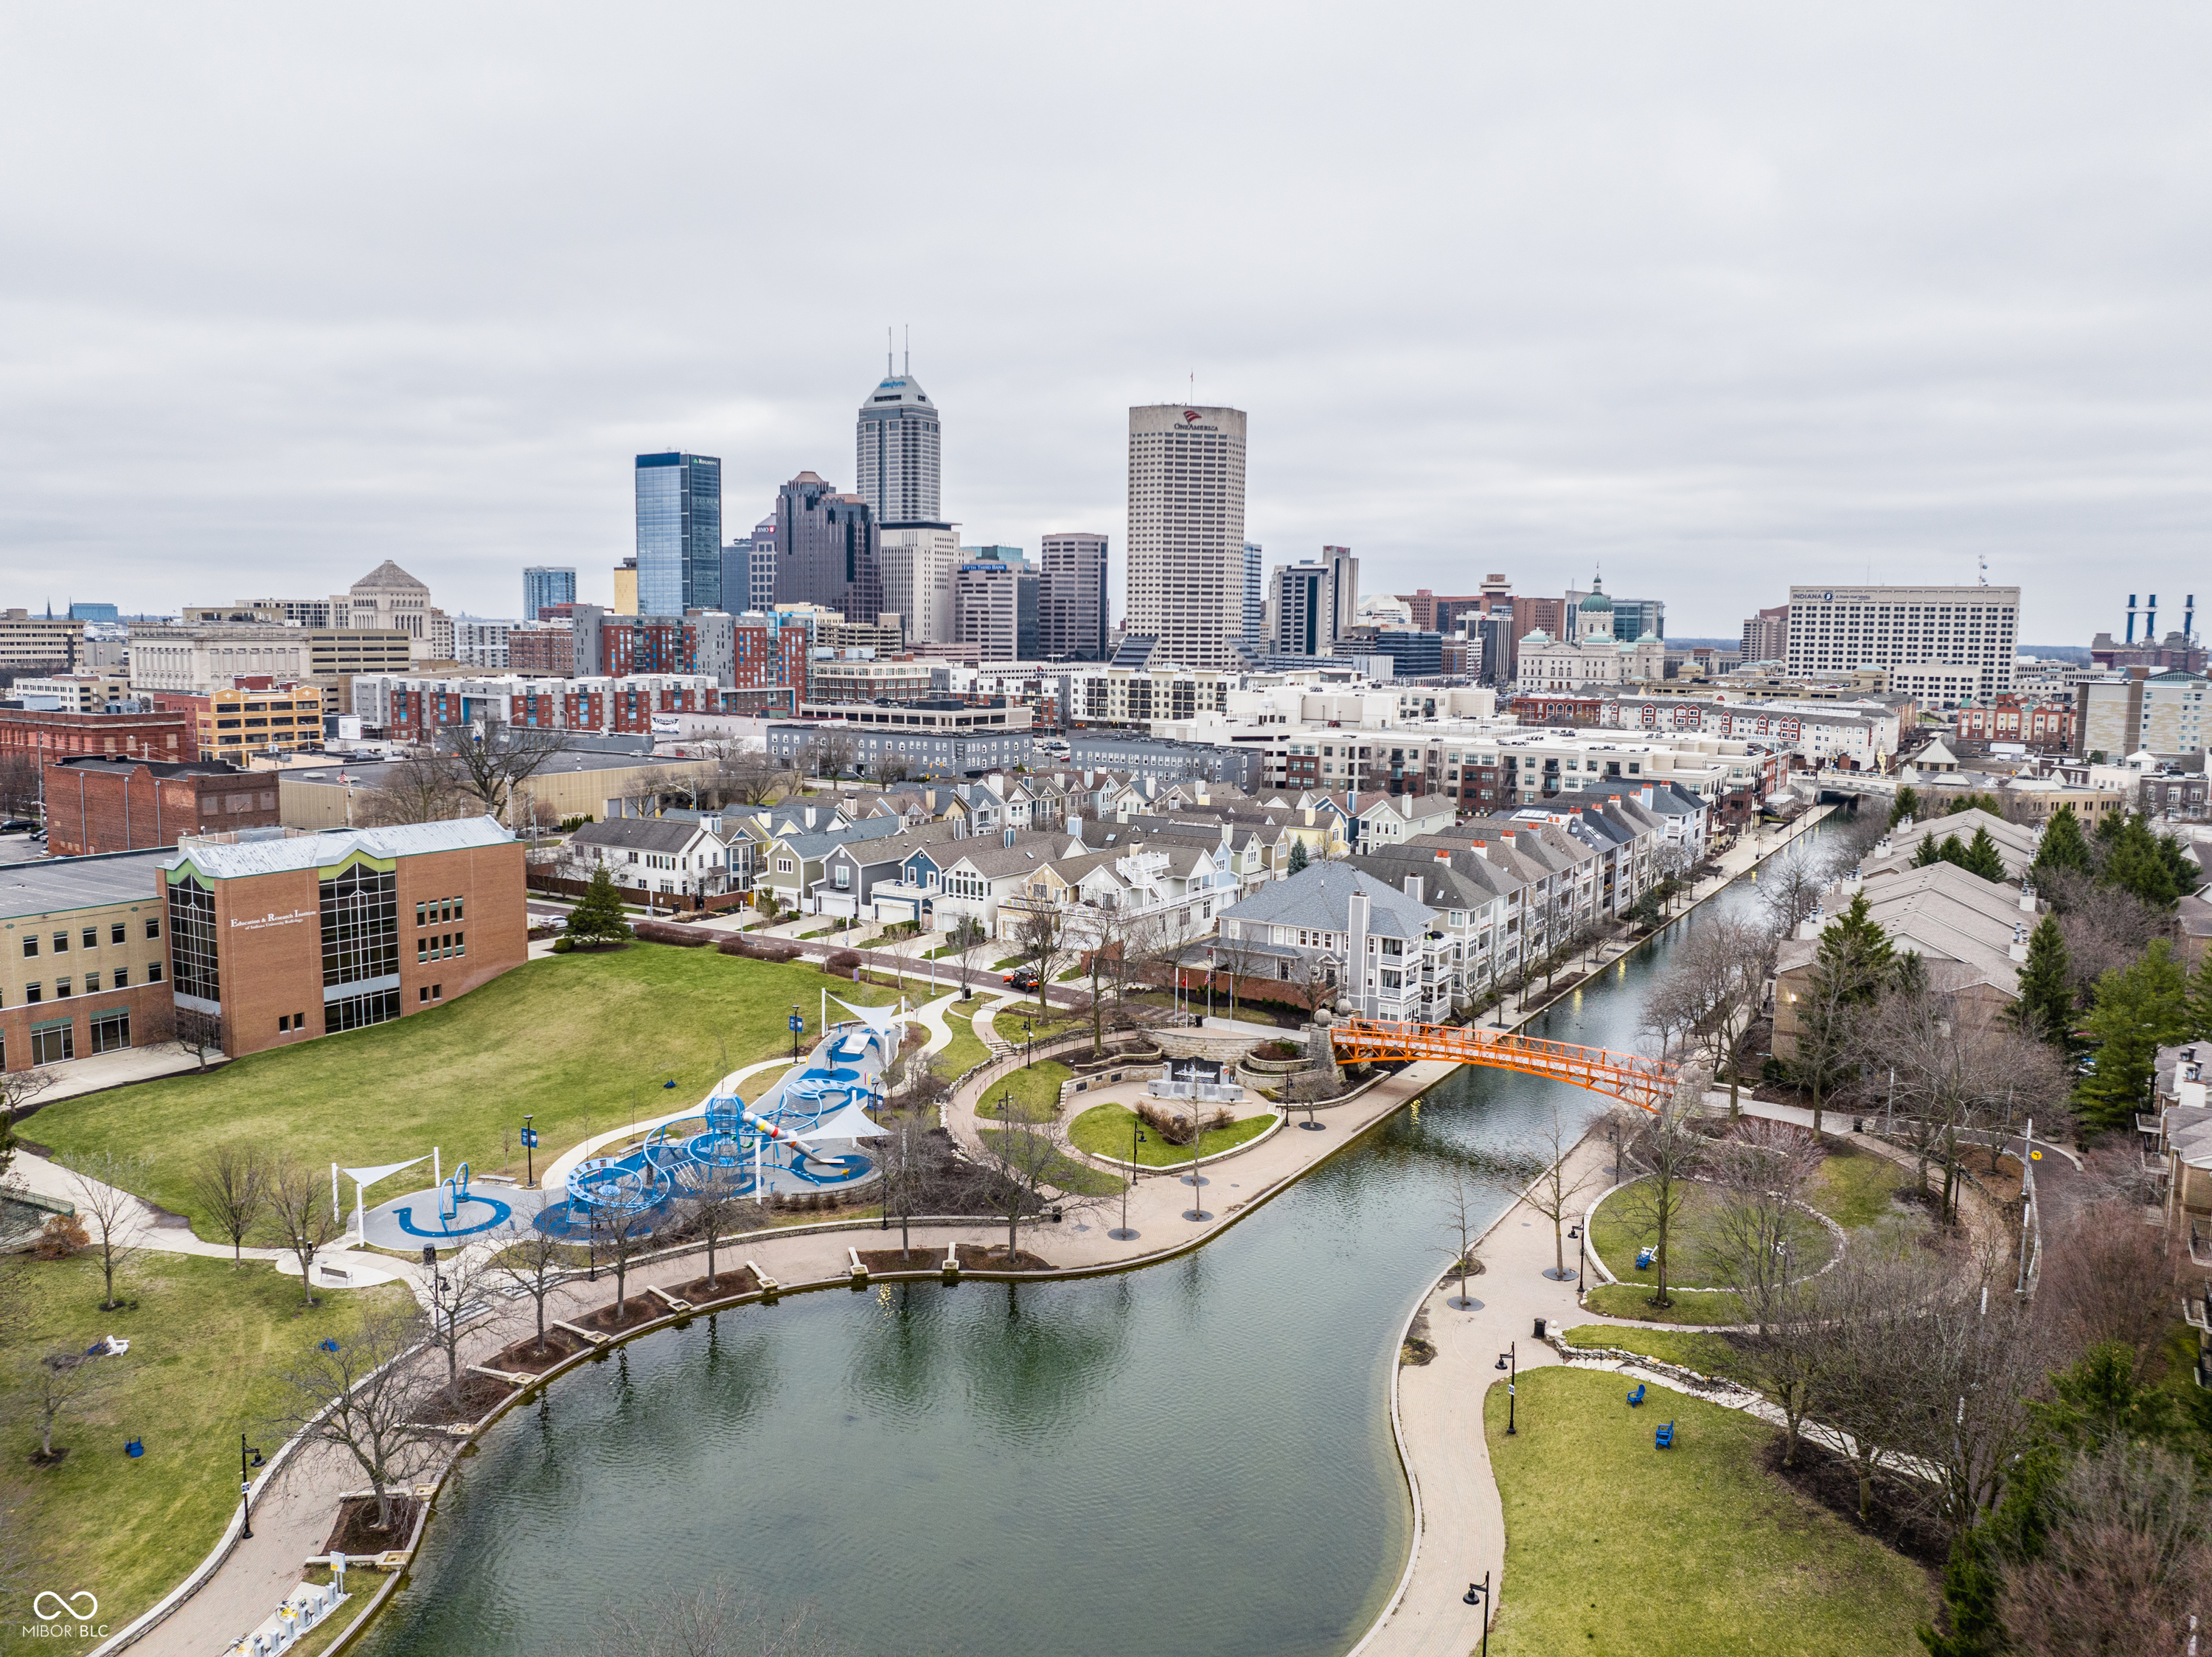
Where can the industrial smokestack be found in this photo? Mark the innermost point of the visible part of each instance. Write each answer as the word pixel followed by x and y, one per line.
pixel 2189 620
pixel 2131 618
pixel 2150 620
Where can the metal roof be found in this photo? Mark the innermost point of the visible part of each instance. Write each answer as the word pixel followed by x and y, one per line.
pixel 277 856
pixel 49 886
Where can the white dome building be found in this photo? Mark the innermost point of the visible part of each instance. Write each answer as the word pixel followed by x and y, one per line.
pixel 1593 656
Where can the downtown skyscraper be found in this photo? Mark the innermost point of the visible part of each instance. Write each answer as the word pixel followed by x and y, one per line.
pixel 680 533
pixel 895 444
pixel 1185 581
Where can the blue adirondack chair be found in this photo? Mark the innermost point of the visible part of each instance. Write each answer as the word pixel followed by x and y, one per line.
pixel 1664 1438
pixel 1644 1256
pixel 1636 1397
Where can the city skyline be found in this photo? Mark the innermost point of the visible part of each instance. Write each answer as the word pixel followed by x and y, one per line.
pixel 1738 332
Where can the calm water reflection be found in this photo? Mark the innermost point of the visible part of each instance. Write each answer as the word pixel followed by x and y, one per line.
pixel 1194 1458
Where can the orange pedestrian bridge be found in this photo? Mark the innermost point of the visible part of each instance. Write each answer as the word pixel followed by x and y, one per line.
pixel 1646 1082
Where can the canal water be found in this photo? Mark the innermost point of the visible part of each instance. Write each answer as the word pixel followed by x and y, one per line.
pixel 1191 1459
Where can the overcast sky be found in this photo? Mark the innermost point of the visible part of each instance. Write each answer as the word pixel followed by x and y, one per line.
pixel 1716 297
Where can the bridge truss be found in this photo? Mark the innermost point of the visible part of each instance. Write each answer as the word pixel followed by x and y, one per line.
pixel 1645 1082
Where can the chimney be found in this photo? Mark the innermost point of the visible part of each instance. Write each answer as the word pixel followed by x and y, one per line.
pixel 1413 887
pixel 1355 967
pixel 1881 847
pixel 1444 853
pixel 2019 943
pixel 1810 926
pixel 1075 829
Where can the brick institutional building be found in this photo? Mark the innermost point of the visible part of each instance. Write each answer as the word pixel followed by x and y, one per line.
pixel 50 735
pixel 84 958
pixel 131 805
pixel 284 938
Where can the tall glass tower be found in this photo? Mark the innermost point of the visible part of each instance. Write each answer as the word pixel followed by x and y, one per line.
pixel 680 533
pixel 544 586
pixel 897 448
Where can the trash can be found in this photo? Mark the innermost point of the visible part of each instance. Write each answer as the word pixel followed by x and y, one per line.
pixel 1539 1329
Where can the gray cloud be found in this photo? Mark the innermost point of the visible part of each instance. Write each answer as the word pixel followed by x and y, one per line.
pixel 1720 296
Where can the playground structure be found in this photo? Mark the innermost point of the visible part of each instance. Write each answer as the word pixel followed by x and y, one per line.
pixel 803 1135
pixel 1646 1083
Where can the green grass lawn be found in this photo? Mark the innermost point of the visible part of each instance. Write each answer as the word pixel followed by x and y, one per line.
pixel 965 1051
pixel 582 1040
pixel 1634 1300
pixel 1105 1130
pixel 204 1339
pixel 1709 1355
pixel 1035 1088
pixel 1615 1237
pixel 1854 1187
pixel 1620 1550
pixel 1068 1174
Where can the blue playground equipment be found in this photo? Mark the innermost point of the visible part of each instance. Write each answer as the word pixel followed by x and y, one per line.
pixel 1636 1397
pixel 803 1135
pixel 1664 1438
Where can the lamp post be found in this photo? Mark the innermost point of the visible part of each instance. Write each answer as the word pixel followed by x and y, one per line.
pixel 529 1148
pixel 245 1484
pixel 798 1023
pixel 1509 1361
pixel 1478 1593
pixel 1121 1232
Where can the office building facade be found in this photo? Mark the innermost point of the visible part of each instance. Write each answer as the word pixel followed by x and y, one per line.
pixel 543 586
pixel 1074 628
pixel 919 562
pixel 995 610
pixel 897 445
pixel 1344 589
pixel 1766 635
pixel 828 550
pixel 680 533
pixel 1186 551
pixel 1926 637
pixel 1633 618
pixel 84 958
pixel 1304 611
pixel 1252 635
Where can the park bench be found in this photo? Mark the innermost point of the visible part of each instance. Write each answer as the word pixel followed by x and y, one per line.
pixel 1636 1397
pixel 1664 1438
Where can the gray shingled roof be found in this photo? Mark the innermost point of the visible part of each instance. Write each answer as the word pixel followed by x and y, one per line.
pixel 49 886
pixel 1319 898
pixel 659 834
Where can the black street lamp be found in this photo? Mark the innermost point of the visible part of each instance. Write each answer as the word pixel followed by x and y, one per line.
pixel 1478 1593
pixel 245 1484
pixel 1121 1232
pixel 798 1023
pixel 529 1149
pixel 1512 1384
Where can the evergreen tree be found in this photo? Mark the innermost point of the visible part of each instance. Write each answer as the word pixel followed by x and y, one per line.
pixel 1298 858
pixel 2136 866
pixel 1952 851
pixel 1854 962
pixel 2200 1001
pixel 2062 849
pixel 2045 1007
pixel 1930 852
pixel 1982 857
pixel 2188 873
pixel 1908 804
pixel 598 915
pixel 1856 954
pixel 2138 1009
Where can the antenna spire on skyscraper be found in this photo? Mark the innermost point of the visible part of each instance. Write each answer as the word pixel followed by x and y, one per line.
pixel 887 350
pixel 907 366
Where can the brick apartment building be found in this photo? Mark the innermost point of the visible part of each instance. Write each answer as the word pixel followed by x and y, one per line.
pixel 99 805
pixel 2009 719
pixel 50 735
pixel 285 937
pixel 252 717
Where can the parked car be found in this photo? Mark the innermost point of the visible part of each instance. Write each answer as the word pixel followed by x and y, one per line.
pixel 1024 978
pixel 18 826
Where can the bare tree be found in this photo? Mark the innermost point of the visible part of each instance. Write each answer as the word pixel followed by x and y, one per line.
pixel 457 1284
pixel 61 1383
pixel 420 786
pixel 709 1620
pixel 300 1208
pixel 966 937
pixel 19 784
pixel 532 1264
pixel 620 1238
pixel 1666 1153
pixel 230 1185
pixel 2126 1567
pixel 364 1395
pixel 1760 1170
pixel 102 1179
pixel 1985 1353
pixel 17 1089
pixel 1868 1312
pixel 1027 1162
pixel 198 1032
pixel 1712 986
pixel 1786 1352
pixel 1791 883
pixel 1044 936
pixel 489 768
pixel 1557 1190
pixel 715 1209
pixel 1462 1222
pixel 2108 1276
